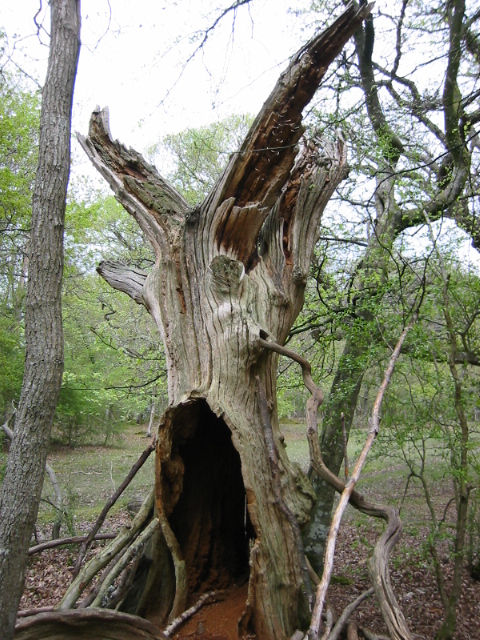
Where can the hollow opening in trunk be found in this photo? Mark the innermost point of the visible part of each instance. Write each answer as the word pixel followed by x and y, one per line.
pixel 210 519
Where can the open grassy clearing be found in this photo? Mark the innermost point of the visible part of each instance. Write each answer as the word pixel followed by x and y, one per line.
pixel 384 477
pixel 88 475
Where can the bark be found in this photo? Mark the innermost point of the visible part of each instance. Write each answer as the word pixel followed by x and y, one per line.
pixel 53 479
pixel 23 481
pixel 229 274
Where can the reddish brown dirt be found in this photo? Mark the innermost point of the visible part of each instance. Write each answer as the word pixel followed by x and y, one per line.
pixel 216 621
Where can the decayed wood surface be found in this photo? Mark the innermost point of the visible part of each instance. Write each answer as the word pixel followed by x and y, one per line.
pixel 229 274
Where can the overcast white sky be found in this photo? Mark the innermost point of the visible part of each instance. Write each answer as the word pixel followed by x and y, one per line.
pixel 134 60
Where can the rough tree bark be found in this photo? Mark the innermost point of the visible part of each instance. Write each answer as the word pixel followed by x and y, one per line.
pixel 228 275
pixel 23 481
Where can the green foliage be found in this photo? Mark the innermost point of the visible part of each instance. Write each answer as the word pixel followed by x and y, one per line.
pixel 11 362
pixel 19 121
pixel 200 155
pixel 114 362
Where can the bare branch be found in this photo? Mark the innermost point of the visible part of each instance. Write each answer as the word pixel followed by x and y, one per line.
pixel 109 504
pixel 61 542
pixel 125 279
pixel 173 626
pixel 347 612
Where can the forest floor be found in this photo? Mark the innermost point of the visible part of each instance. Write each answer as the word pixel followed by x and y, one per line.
pixel 90 473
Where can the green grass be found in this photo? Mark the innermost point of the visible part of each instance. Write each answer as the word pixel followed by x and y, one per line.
pixel 88 475
pixel 384 477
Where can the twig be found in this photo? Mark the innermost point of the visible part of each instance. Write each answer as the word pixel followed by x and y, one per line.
pixel 347 612
pixel 60 542
pixel 345 443
pixel 111 501
pixel 173 626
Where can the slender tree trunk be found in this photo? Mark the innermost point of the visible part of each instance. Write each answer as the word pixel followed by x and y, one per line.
pixel 229 275
pixel 43 319
pixel 390 221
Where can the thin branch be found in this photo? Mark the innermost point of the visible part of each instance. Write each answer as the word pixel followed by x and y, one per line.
pixel 173 626
pixel 347 612
pixel 345 443
pixel 109 504
pixel 347 492
pixel 61 542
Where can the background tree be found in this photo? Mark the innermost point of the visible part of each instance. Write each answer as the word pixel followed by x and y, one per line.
pixel 18 145
pixel 23 480
pixel 417 160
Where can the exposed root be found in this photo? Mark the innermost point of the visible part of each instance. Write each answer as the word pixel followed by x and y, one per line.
pixel 102 597
pixel 105 556
pixel 33 612
pixel 347 612
pixel 85 624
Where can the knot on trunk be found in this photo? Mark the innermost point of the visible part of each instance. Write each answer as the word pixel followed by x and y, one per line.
pixel 226 276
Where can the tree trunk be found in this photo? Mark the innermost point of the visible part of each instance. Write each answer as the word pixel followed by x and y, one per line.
pixel 229 274
pixel 23 481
